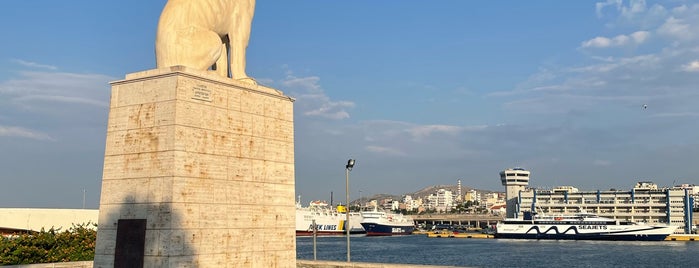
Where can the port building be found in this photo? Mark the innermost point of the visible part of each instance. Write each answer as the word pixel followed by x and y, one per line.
pixel 29 220
pixel 645 202
pixel 515 181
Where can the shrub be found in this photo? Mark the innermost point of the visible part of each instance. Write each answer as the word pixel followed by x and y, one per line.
pixel 75 244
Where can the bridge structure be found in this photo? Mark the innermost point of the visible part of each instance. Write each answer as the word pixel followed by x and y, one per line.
pixel 472 220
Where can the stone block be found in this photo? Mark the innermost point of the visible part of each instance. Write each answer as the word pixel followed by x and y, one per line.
pixel 200 165
pixel 107 238
pixel 251 102
pixel 239 169
pixel 208 162
pixel 155 261
pixel 205 141
pixel 105 260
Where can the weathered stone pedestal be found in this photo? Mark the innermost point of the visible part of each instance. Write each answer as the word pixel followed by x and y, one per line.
pixel 198 172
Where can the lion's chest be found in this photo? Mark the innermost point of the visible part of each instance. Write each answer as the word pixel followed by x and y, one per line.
pixel 217 16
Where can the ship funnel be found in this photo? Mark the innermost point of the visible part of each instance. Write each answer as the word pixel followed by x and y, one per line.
pixel 341 209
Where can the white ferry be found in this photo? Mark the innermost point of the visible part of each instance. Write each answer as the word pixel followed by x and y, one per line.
pixel 382 223
pixel 329 221
pixel 580 226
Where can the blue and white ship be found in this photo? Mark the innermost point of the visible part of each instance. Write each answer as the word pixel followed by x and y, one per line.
pixel 580 226
pixel 382 223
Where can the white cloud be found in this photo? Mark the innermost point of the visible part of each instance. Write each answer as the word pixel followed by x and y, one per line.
pixel 384 150
pixel 687 114
pixel 635 8
pixel 601 5
pixel 597 42
pixel 640 36
pixel 676 28
pixel 331 110
pixel 602 163
pixel 311 99
pixel 63 99
pixel 540 81
pixel 634 13
pixel 54 93
pixel 308 83
pixel 399 138
pixel 56 84
pixel 35 65
pixel 9 131
pixel 52 102
pixel 691 67
pixel 633 39
pixel 636 62
pixel 421 132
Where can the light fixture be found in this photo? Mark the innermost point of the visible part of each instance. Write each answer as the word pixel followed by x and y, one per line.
pixel 350 164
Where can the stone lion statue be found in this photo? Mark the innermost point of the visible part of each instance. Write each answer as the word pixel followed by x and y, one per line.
pixel 205 35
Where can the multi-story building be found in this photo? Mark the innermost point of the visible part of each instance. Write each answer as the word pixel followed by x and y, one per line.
pixel 493 199
pixel 472 196
pixel 646 202
pixel 410 203
pixel 442 200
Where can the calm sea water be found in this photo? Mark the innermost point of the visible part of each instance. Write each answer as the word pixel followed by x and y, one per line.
pixel 419 249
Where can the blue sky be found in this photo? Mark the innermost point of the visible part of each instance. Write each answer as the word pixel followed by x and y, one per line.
pixel 419 94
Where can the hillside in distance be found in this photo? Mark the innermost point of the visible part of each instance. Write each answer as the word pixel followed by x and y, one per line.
pixel 422 193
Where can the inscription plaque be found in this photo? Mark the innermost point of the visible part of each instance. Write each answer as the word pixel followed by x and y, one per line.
pixel 200 92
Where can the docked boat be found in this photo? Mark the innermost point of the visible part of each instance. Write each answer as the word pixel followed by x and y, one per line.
pixel 382 223
pixel 328 220
pixel 580 226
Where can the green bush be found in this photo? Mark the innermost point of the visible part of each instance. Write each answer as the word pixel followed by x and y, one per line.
pixel 75 244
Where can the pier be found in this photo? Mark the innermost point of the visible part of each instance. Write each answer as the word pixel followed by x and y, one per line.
pixel 682 237
pixel 472 220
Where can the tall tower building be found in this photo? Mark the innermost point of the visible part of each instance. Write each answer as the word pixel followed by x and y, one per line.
pixel 459 198
pixel 514 180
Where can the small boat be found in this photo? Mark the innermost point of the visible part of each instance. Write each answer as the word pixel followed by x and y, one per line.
pixel 579 226
pixel 328 220
pixel 381 223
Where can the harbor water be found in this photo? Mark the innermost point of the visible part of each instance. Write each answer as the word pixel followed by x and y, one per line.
pixel 419 249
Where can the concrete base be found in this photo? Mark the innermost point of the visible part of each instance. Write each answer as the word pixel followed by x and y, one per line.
pixel 208 163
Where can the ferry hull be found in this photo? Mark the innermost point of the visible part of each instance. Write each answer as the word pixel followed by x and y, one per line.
pixel 584 237
pixel 585 232
pixel 328 233
pixel 328 221
pixel 375 229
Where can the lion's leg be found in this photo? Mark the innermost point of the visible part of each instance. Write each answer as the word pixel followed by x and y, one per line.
pixel 222 62
pixel 188 46
pixel 238 46
pixel 239 36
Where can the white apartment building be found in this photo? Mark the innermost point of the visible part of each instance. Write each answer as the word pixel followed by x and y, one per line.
pixel 395 205
pixel 472 196
pixel 410 203
pixel 442 200
pixel 492 199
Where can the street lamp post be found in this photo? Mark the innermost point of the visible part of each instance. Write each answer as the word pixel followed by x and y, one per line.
pixel 348 167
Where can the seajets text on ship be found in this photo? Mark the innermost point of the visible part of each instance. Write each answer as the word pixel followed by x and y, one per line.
pixel 592 227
